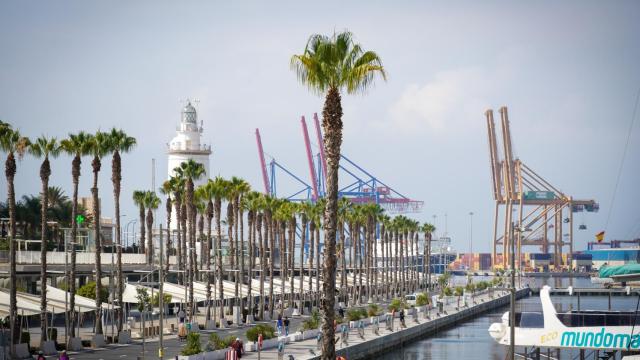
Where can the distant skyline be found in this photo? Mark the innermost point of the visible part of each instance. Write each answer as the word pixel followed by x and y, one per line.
pixel 568 71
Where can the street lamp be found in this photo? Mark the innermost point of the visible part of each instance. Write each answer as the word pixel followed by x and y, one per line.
pixel 470 239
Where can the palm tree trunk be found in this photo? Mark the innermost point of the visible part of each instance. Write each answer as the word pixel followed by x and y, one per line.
pixel 218 209
pixel 332 126
pixel 317 264
pixel 10 172
pixel 149 220
pixel 45 172
pixel 185 240
pixel 75 173
pixel 292 247
pixel 251 249
pixel 263 258
pixel 142 244
pixel 96 232
pixel 343 277
pixel 428 237
pixel 168 208
pixel 303 237
pixel 178 209
pixel 311 253
pixel 283 264
pixel 272 244
pixel 207 255
pixel 240 222
pixel 230 221
pixel 396 259
pixel 116 178
pixel 191 227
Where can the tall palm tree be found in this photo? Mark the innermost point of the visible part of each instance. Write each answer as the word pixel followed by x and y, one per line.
pixel 44 147
pixel 178 196
pixel 316 224
pixel 345 206
pixel 384 238
pixel 262 245
pixel 304 209
pixel 12 143
pixel 205 193
pixel 167 190
pixel 99 147
pixel 151 202
pixel 269 205
pixel 327 66
pixel 138 200
pixel 119 142
pixel 76 145
pixel 251 203
pixel 241 188
pixel 219 188
pixel 191 171
pixel 427 229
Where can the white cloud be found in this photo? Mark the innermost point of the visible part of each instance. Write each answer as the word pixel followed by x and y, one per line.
pixel 454 98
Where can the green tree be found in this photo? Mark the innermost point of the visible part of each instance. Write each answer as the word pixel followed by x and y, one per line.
pixel 76 145
pixel 119 142
pixel 138 200
pixel 151 202
pixel 99 147
pixel 88 290
pixel 44 147
pixel 12 143
pixel 428 230
pixel 327 66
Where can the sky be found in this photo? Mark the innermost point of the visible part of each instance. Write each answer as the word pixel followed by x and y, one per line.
pixel 568 72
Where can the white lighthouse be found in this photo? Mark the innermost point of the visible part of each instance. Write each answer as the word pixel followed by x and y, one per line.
pixel 187 144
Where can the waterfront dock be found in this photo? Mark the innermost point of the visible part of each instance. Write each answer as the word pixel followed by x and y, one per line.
pixel 371 344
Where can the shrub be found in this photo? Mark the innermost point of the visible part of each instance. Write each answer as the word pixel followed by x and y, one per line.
pixel 356 314
pixel 422 299
pixel 88 290
pixel 218 343
pixel 192 347
pixel 267 331
pixel 155 299
pixel 459 290
pixel 374 310
pixel 312 323
pixel 471 287
pixel 396 304
pixel 482 285
pixel 447 291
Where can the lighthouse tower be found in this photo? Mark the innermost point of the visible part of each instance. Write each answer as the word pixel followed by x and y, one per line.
pixel 187 144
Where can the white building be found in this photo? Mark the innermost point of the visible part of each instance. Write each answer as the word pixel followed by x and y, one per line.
pixel 187 145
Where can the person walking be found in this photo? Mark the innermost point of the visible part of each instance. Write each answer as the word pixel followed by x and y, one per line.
pixel 402 318
pixel 279 324
pixel 64 355
pixel 286 326
pixel 238 347
pixel 341 311
pixel 40 356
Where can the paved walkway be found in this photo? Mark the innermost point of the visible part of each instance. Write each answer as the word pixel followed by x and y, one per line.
pixel 308 349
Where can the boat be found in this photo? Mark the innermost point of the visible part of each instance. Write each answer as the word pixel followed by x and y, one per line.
pixel 578 329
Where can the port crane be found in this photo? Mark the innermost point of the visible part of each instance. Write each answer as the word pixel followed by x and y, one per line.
pixel 360 186
pixel 529 210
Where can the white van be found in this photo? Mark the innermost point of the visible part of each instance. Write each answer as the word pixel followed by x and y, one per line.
pixel 410 299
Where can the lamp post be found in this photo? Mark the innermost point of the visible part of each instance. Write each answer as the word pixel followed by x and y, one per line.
pixel 470 239
pixel 127 229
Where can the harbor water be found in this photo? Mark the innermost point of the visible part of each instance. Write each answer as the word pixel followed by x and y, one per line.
pixel 471 340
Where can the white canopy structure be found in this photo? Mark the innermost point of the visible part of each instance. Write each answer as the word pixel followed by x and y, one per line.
pixel 82 304
pixel 25 306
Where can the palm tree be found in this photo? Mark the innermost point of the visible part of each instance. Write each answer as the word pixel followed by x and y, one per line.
pixel 327 65
pixel 77 145
pixel 251 203
pixel 119 142
pixel 345 206
pixel 428 229
pixel 205 193
pixel 12 143
pixel 241 188
pixel 151 202
pixel 99 147
pixel 384 238
pixel 262 245
pixel 138 200
pixel 191 171
pixel 316 225
pixel 44 147
pixel 219 188
pixel 167 189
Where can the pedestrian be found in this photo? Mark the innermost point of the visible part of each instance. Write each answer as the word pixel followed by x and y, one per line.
pixel 181 316
pixel 238 347
pixel 40 356
pixel 280 350
pixel 402 318
pixel 64 355
pixel 341 312
pixel 286 326
pixel 279 324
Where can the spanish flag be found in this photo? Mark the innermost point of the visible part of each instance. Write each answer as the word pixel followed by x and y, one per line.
pixel 600 236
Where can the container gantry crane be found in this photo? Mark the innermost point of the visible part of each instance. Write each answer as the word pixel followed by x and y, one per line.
pixel 533 212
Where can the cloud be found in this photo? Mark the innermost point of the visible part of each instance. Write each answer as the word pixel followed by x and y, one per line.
pixel 452 99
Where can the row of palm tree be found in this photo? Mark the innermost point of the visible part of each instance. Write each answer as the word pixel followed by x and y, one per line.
pixel 77 145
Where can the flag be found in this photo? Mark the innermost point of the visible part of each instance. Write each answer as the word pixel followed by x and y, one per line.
pixel 600 236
